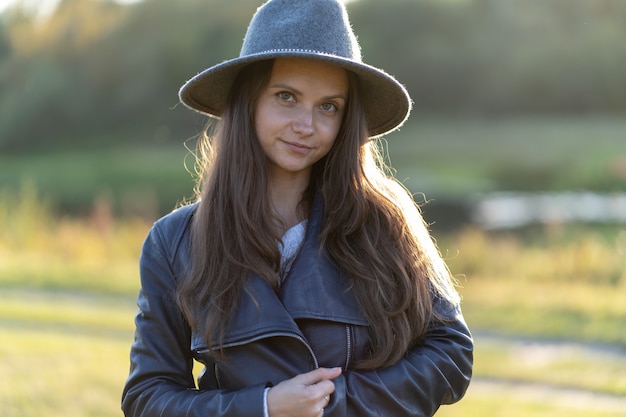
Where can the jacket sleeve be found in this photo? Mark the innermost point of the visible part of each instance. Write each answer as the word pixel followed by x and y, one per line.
pixel 435 372
pixel 161 381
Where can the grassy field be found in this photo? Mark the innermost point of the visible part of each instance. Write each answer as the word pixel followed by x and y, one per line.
pixel 133 181
pixel 452 158
pixel 63 353
pixel 68 284
pixel 460 157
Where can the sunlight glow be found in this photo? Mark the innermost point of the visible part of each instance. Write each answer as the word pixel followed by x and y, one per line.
pixel 43 8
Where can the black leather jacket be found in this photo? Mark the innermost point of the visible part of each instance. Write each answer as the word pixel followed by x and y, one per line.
pixel 312 321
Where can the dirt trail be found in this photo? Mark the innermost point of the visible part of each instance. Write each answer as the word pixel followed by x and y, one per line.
pixel 549 394
pixel 536 350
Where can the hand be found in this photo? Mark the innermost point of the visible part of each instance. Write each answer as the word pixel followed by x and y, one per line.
pixel 304 395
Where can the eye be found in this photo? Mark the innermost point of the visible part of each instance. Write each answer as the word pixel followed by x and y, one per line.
pixel 285 96
pixel 329 107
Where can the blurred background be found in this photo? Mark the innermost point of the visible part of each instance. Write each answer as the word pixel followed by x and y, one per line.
pixel 516 150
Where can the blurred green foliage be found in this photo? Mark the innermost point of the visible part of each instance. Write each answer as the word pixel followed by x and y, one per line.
pixel 96 72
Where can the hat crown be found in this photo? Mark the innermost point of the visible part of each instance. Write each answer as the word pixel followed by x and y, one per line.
pixel 320 26
pixel 312 29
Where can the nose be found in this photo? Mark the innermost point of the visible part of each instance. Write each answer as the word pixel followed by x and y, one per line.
pixel 302 123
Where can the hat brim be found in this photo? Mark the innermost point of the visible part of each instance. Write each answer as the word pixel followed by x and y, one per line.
pixel 386 102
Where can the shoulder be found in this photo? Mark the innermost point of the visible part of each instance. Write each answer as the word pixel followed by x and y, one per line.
pixel 177 220
pixel 171 231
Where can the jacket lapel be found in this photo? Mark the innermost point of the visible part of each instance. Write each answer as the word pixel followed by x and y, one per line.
pixel 259 314
pixel 314 287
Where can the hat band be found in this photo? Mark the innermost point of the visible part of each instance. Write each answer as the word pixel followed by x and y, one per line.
pixel 297 51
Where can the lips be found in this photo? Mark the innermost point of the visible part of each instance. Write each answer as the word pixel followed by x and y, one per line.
pixel 297 147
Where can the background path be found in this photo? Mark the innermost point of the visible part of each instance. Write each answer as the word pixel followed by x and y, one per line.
pixel 547 355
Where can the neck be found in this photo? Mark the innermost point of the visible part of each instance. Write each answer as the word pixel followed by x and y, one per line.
pixel 286 195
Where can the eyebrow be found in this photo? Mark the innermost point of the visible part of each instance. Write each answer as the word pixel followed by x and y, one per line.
pixel 298 92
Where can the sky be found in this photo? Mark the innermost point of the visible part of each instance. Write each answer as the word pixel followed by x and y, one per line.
pixel 43 7
pixel 46 6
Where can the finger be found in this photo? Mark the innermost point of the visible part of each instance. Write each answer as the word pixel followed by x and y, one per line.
pixel 324 403
pixel 334 372
pixel 318 375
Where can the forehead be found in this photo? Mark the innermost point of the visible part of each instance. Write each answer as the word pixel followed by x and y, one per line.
pixel 310 72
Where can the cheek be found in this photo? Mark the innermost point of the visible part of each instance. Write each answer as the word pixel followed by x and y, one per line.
pixel 268 121
pixel 329 133
pixel 263 117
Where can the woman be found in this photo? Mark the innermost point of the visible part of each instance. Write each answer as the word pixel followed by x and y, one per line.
pixel 304 278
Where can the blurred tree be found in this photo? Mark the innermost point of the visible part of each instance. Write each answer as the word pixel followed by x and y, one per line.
pixel 501 56
pixel 97 69
pixel 5 45
pixel 99 72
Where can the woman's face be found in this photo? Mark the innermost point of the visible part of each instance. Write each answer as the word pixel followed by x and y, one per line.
pixel 299 113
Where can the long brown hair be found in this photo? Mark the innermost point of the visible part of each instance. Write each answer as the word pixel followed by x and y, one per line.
pixel 371 228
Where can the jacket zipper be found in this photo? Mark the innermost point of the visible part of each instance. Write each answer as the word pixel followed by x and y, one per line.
pixel 348 346
pixel 304 342
pixel 266 335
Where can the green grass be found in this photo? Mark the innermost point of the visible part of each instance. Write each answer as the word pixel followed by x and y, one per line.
pixel 459 157
pixel 507 402
pixel 559 364
pixel 66 310
pixel 37 270
pixel 559 283
pixel 61 371
pixel 581 313
pixel 135 181
pixel 441 157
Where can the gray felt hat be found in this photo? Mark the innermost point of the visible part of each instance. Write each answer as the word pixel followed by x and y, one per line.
pixel 317 29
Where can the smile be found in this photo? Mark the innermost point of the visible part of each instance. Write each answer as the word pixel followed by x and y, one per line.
pixel 297 147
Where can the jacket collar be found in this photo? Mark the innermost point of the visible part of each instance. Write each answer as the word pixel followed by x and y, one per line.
pixel 313 289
